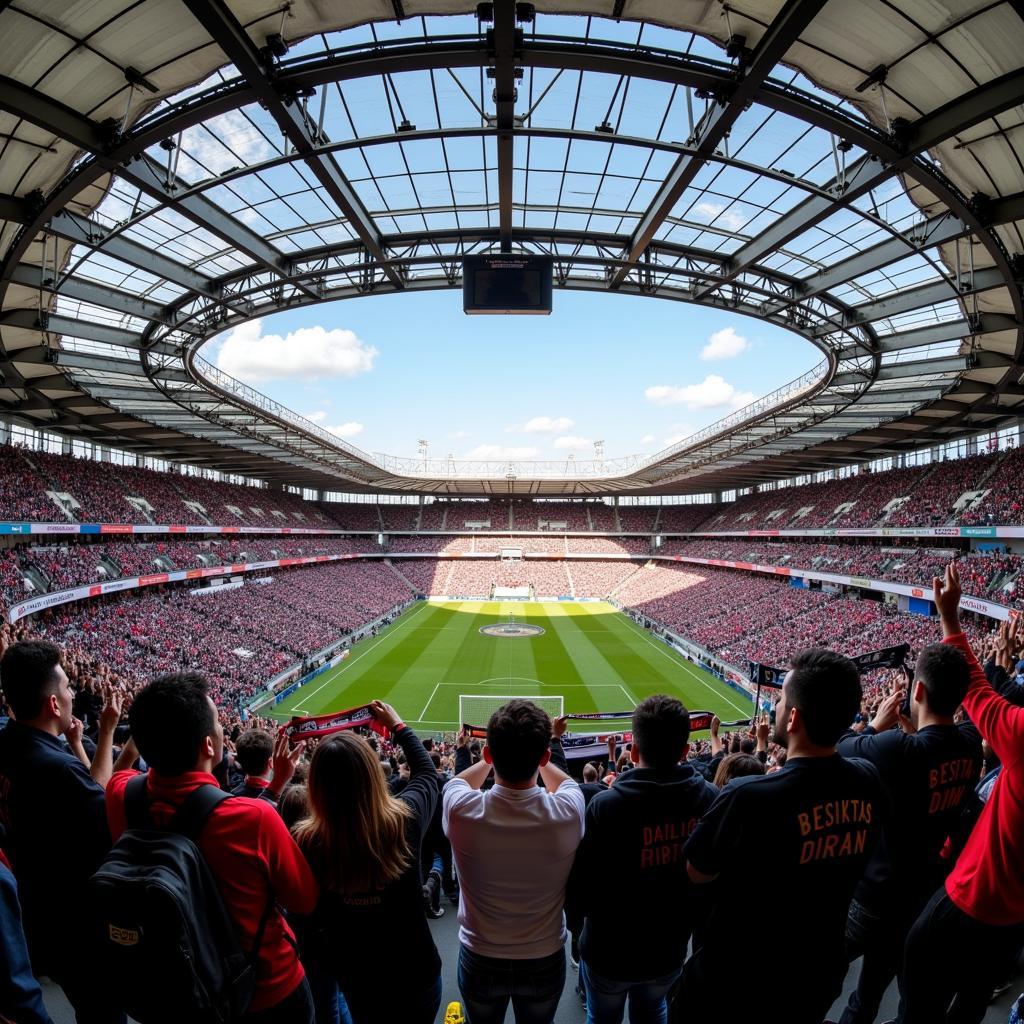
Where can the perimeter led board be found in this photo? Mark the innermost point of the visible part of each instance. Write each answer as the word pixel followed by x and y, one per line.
pixel 507 284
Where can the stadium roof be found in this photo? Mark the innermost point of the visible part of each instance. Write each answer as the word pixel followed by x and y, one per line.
pixel 852 170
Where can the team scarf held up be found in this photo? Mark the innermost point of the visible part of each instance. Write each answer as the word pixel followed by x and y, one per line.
pixel 770 678
pixel 589 744
pixel 316 727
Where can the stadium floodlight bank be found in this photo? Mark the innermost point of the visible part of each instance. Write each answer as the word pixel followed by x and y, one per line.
pixel 476 709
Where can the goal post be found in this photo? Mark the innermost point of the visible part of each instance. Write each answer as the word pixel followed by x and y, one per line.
pixel 476 709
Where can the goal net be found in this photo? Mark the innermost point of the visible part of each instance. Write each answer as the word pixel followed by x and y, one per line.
pixel 477 709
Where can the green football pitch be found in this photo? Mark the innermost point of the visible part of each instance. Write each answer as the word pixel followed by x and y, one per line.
pixel 590 654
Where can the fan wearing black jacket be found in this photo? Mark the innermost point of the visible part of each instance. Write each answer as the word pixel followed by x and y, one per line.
pixel 639 826
pixel 930 766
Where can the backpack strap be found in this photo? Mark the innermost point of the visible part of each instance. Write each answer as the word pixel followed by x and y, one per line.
pixel 136 803
pixel 191 816
pixel 189 820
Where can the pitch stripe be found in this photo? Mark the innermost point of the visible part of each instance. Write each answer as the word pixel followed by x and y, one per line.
pixel 349 662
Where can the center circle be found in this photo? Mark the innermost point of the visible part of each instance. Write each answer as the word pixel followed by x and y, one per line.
pixel 512 629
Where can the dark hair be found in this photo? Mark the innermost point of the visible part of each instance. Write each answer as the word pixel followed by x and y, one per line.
pixel 435 758
pixel 293 805
pixel 747 746
pixel 170 718
pixel 825 687
pixel 661 728
pixel 946 674
pixel 737 766
pixel 518 734
pixel 254 748
pixel 28 674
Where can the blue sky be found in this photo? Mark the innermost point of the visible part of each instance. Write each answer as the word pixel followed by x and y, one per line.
pixel 638 374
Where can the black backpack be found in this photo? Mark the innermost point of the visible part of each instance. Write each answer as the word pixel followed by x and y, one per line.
pixel 162 929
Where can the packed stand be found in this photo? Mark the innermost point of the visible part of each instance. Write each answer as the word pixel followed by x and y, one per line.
pixel 894 832
pixel 430 545
pixel 608 545
pixel 986 574
pixel 640 518
pixel 599 579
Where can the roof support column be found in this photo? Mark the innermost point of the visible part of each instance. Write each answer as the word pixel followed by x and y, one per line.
pixel 504 42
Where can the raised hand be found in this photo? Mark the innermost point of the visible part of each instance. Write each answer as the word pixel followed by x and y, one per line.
pixel 946 594
pixel 111 713
pixel 888 711
pixel 73 733
pixel 385 714
pixel 558 726
pixel 762 732
pixel 286 758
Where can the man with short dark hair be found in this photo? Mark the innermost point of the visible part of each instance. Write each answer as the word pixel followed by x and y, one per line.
pixel 246 845
pixel 930 766
pixel 639 827
pixel 254 752
pixel 514 846
pixel 808 830
pixel 52 810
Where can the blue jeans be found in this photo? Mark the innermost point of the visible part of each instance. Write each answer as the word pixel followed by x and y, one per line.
pixel 360 1007
pixel 328 1001
pixel 606 997
pixel 488 984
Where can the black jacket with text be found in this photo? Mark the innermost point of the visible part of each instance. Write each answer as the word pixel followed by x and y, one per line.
pixel 630 868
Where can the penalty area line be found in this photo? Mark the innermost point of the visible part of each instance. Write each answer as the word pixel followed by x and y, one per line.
pixel 430 700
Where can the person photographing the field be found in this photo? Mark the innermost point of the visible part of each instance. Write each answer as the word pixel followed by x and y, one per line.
pixel 364 847
pixel 514 846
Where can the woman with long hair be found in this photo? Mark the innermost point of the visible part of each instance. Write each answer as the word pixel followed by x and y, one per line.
pixel 363 845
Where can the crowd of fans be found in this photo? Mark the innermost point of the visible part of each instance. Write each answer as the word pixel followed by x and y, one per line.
pixel 987 574
pixel 979 489
pixel 749 617
pixel 883 852
pixel 592 578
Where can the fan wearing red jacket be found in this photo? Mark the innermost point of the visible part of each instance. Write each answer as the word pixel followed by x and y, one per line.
pixel 247 846
pixel 972 927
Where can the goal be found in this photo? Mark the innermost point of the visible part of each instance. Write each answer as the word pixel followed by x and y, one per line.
pixel 476 709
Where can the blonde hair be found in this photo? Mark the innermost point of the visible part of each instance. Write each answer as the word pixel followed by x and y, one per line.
pixel 355 833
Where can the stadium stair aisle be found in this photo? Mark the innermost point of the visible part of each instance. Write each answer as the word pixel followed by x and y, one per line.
pixel 446 935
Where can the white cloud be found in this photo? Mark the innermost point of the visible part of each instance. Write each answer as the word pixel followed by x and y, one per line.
pixel 316 417
pixel 724 344
pixel 497 451
pixel 712 393
pixel 571 441
pixel 730 220
pixel 202 154
pixel 309 352
pixel 457 435
pixel 647 439
pixel 349 429
pixel 544 425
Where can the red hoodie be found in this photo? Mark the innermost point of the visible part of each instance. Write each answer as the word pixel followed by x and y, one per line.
pixel 988 880
pixel 251 853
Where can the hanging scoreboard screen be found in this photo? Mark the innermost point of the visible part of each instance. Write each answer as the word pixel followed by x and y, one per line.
pixel 507 283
